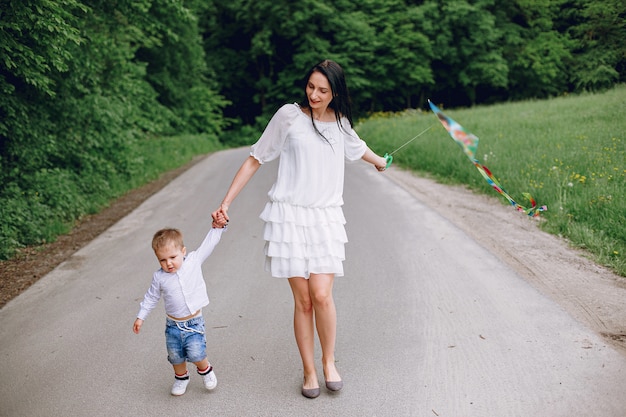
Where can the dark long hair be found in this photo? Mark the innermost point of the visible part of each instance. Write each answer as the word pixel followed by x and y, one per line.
pixel 341 102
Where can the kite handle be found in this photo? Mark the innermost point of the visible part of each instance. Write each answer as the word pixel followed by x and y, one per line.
pixel 389 159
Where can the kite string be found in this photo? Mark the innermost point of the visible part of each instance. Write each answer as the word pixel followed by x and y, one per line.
pixel 415 137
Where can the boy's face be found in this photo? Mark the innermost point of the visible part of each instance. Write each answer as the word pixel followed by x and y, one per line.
pixel 171 257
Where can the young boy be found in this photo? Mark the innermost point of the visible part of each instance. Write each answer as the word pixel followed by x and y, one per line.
pixel 181 284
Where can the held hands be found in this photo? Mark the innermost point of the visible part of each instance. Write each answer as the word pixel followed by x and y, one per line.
pixel 220 216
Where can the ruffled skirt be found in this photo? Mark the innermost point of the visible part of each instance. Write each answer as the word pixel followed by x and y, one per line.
pixel 301 240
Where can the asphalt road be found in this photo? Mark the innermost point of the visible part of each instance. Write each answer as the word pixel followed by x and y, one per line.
pixel 430 323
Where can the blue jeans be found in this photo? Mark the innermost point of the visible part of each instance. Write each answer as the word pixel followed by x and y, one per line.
pixel 185 340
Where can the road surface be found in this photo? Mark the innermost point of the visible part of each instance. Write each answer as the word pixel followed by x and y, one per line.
pixel 430 322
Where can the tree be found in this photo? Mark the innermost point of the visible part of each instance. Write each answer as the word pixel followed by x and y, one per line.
pixel 178 71
pixel 599 30
pixel 35 40
pixel 75 100
pixel 403 56
pixel 537 53
pixel 468 52
pixel 261 49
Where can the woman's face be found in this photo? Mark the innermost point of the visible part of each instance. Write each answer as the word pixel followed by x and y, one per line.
pixel 318 91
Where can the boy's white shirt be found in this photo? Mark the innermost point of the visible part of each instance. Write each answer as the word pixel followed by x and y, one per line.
pixel 184 292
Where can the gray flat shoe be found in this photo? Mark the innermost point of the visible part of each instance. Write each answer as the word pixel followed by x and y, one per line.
pixel 311 392
pixel 334 385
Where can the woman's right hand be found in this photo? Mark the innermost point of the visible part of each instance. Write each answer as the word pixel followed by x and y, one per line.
pixel 221 211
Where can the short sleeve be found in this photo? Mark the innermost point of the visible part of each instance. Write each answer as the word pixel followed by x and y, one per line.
pixel 271 142
pixel 354 146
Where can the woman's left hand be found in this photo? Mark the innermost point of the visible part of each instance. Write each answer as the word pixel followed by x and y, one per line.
pixel 383 166
pixel 379 162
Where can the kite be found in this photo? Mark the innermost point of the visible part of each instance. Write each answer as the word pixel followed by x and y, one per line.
pixel 469 143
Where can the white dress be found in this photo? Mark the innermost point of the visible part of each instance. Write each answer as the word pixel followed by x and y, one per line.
pixel 304 223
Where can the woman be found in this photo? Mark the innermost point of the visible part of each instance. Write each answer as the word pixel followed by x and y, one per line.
pixel 304 222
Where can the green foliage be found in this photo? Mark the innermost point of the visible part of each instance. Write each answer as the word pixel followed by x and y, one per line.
pixel 537 53
pixel 37 214
pixel 261 50
pixel 397 53
pixel 77 101
pixel 598 30
pixel 160 154
pixel 178 71
pixel 33 40
pixel 568 152
pixel 47 203
pixel 467 45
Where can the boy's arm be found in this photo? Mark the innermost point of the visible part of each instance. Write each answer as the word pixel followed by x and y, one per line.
pixel 209 243
pixel 150 300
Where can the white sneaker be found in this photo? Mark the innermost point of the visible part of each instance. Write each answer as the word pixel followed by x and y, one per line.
pixel 210 380
pixel 180 386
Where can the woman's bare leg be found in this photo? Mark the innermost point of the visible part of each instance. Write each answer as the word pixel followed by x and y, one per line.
pixel 321 290
pixel 303 329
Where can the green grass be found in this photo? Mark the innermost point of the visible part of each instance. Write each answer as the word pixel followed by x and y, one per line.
pixel 159 155
pixel 58 197
pixel 569 153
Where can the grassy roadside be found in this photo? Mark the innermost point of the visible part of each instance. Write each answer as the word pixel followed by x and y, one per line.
pixel 569 153
pixel 58 198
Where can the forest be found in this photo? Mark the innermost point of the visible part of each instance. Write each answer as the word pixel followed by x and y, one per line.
pixel 87 86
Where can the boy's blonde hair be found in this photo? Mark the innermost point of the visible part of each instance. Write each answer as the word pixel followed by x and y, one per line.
pixel 166 237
